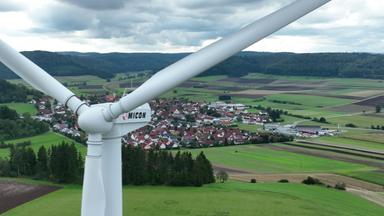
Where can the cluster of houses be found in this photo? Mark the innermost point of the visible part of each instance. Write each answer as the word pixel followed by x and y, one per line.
pixel 177 123
pixel 174 123
pixel 63 128
pixel 181 123
pixel 58 116
pixel 239 112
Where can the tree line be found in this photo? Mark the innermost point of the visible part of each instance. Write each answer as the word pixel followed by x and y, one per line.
pixel 63 163
pixel 155 167
pixel 12 126
pixel 377 127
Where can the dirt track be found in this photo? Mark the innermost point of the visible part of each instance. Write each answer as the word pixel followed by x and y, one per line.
pixel 363 189
pixel 369 195
pixel 327 154
pixel 327 178
pixel 13 194
pixel 229 170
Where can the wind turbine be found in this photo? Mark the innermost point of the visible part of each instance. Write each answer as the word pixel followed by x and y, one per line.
pixel 106 123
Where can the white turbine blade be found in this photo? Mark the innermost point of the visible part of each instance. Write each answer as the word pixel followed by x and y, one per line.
pixel 37 77
pixel 211 55
pixel 93 199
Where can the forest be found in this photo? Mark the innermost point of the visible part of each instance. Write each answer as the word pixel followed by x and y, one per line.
pixel 13 127
pixel 63 163
pixel 359 65
pixel 60 163
pixel 16 93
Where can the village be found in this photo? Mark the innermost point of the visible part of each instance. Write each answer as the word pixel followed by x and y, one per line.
pixel 181 123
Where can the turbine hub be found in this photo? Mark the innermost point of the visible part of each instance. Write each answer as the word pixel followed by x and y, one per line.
pixel 93 121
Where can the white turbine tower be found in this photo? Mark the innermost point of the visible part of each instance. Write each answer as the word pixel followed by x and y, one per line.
pixel 106 123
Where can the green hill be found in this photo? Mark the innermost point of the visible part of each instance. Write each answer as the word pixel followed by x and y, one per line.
pixel 232 198
pixel 15 93
pixel 362 65
pixel 46 140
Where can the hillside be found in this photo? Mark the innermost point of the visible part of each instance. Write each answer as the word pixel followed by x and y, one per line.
pixel 15 93
pixel 232 198
pixel 359 65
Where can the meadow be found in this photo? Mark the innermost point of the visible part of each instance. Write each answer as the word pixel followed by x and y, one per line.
pixel 262 160
pixel 350 142
pixel 48 139
pixel 231 198
pixel 193 94
pixel 21 108
pixel 251 128
pixel 376 177
pixel 365 135
pixel 305 101
pixel 362 121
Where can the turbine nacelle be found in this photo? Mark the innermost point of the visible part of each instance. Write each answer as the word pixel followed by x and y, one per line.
pixel 93 120
pixel 130 121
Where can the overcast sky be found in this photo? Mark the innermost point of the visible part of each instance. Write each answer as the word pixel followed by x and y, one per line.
pixel 184 25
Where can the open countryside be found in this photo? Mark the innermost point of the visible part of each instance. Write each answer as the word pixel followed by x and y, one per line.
pixel 267 163
pixel 208 200
pixel 191 108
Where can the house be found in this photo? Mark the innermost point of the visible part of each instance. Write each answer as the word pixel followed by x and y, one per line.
pixel 110 98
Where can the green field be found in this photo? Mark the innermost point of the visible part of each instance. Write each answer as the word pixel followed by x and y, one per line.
pixel 347 83
pixel 376 177
pixel 360 121
pixel 365 135
pixel 313 107
pixel 47 140
pixel 306 105
pixel 290 119
pixel 231 198
pixel 261 160
pixel 251 128
pixel 193 94
pixel 309 100
pixel 363 121
pixel 209 78
pixel 21 107
pixel 92 80
pixel 349 142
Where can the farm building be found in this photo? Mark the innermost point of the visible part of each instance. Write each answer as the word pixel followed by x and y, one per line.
pixel 309 129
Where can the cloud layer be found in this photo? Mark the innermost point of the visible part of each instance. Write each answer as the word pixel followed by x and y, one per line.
pixel 184 25
pixel 7 6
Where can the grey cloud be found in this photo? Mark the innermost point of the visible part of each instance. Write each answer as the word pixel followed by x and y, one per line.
pixel 63 18
pixel 201 4
pixel 186 23
pixel 171 22
pixel 98 4
pixel 63 22
pixel 6 6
